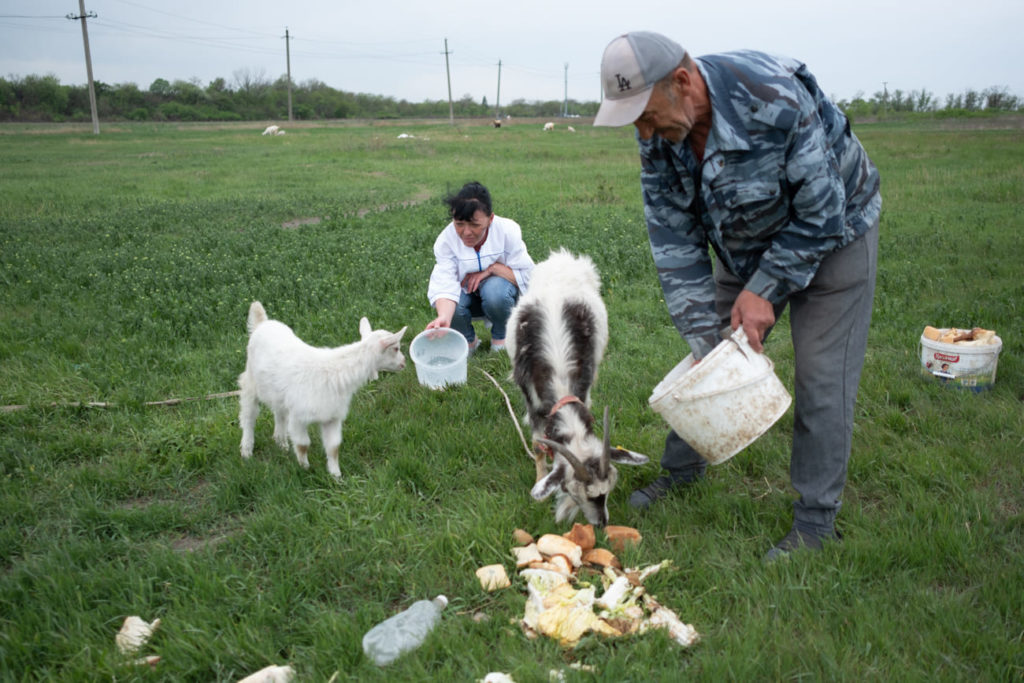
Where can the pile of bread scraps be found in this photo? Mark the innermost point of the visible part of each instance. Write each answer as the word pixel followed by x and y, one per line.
pixel 557 608
pixel 977 336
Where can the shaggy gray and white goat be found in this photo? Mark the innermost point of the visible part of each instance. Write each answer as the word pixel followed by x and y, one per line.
pixel 304 385
pixel 558 332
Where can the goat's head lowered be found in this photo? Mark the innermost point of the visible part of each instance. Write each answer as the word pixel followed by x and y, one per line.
pixel 583 479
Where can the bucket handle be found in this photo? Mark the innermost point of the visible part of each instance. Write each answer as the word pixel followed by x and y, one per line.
pixel 739 338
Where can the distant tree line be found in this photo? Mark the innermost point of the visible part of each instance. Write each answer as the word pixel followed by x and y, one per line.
pixel 992 99
pixel 252 97
pixel 247 98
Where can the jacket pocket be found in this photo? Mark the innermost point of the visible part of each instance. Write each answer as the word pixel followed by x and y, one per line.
pixel 749 208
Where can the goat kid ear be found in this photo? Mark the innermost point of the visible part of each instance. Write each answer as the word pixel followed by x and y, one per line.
pixel 625 457
pixel 364 327
pixel 392 339
pixel 549 484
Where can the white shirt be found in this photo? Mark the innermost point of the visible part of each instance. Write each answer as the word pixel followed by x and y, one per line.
pixel 454 260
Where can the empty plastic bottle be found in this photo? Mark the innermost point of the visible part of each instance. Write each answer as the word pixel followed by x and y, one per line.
pixel 404 631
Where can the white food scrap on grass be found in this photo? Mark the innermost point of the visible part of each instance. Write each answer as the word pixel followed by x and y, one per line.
pixel 526 554
pixel 271 674
pixel 558 675
pixel 497 677
pixel 493 577
pixel 663 617
pixel 134 633
pixel 150 661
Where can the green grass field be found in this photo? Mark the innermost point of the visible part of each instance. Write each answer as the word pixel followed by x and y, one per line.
pixel 127 264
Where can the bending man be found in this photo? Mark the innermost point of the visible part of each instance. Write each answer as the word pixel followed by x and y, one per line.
pixel 744 154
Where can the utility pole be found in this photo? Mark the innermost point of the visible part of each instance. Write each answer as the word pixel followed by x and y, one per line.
pixel 497 102
pixel 565 102
pixel 885 96
pixel 288 61
pixel 448 73
pixel 88 63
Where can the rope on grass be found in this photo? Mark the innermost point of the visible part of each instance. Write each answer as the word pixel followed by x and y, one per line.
pixel 100 404
pixel 511 412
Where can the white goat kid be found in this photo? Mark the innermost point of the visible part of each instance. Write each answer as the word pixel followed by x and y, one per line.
pixel 304 385
pixel 558 334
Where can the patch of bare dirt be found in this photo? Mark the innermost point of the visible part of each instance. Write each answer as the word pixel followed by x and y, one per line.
pixel 299 222
pixel 421 196
pixel 190 543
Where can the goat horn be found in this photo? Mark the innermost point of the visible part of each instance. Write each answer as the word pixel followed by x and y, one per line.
pixel 606 451
pixel 581 472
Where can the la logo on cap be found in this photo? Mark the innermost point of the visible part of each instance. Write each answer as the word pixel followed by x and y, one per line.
pixel 623 82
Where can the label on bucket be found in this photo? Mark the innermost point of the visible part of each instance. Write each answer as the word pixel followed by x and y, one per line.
pixel 971 368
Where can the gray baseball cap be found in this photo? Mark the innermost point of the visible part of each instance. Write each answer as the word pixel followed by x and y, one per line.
pixel 631 65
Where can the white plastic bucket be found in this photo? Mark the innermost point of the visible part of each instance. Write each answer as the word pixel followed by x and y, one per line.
pixel 961 365
pixel 724 403
pixel 440 357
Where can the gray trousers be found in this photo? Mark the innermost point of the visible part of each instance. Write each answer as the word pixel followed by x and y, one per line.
pixel 829 322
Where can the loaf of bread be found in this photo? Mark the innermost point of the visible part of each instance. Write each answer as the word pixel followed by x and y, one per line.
pixel 552 544
pixel 525 554
pixel 982 336
pixel 522 537
pixel 582 535
pixel 977 336
pixel 621 537
pixel 492 577
pixel 601 557
pixel 562 562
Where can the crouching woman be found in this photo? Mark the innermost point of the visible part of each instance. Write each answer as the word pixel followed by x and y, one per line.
pixel 481 267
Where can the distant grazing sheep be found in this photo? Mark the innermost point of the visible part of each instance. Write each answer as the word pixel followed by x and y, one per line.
pixel 571 129
pixel 549 126
pixel 304 385
pixel 272 130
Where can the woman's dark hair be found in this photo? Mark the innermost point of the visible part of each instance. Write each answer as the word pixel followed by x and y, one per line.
pixel 464 203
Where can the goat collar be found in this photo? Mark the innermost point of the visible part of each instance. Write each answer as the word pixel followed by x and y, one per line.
pixel 562 402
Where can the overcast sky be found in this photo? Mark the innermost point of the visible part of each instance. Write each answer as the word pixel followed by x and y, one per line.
pixel 396 48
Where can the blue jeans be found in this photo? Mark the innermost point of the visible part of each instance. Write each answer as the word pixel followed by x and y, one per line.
pixel 493 299
pixel 829 325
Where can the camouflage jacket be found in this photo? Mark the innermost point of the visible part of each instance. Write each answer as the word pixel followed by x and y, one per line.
pixel 784 182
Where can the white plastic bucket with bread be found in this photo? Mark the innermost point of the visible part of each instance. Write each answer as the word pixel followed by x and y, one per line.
pixel 724 403
pixel 962 358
